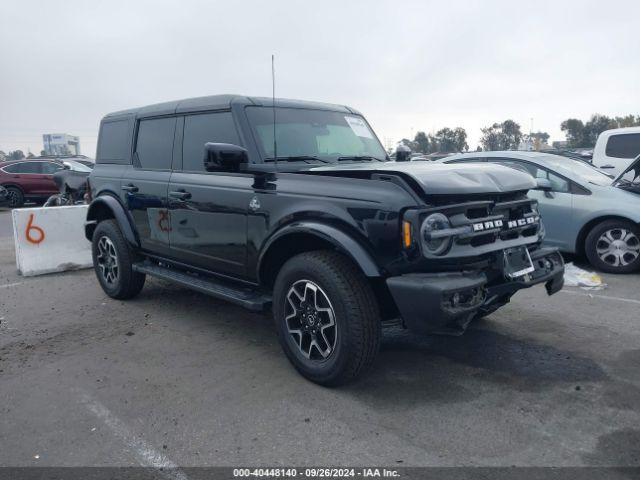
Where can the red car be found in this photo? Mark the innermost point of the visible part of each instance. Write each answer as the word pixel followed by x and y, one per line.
pixel 28 180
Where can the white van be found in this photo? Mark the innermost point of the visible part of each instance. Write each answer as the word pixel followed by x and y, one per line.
pixel 615 149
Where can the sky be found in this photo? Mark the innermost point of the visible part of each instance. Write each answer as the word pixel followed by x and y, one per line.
pixel 407 66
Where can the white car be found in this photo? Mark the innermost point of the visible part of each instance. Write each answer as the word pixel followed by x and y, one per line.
pixel 616 149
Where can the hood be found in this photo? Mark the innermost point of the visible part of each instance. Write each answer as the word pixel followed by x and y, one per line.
pixel 634 166
pixel 446 178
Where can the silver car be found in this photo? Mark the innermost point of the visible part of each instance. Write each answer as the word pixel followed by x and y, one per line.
pixel 584 210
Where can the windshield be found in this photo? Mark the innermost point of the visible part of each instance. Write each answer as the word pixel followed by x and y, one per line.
pixel 631 176
pixel 308 135
pixel 588 172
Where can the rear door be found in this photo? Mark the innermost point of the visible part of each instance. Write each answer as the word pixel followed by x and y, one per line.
pixel 209 209
pixel 144 184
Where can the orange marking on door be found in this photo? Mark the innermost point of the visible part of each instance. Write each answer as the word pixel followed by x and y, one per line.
pixel 163 216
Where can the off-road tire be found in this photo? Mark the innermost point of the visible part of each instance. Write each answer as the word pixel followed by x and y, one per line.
pixel 128 283
pixel 357 316
pixel 593 238
pixel 15 197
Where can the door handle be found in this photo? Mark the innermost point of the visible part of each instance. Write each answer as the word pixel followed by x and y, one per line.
pixel 130 188
pixel 180 195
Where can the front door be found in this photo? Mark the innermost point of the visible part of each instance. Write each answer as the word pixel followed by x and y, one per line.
pixel 209 210
pixel 144 185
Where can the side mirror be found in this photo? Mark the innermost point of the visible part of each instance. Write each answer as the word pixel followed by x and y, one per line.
pixel 223 156
pixel 403 153
pixel 544 185
pixel 65 167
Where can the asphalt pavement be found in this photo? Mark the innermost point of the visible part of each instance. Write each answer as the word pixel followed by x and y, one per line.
pixel 178 378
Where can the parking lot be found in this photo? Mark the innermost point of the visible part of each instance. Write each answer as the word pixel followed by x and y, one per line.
pixel 177 378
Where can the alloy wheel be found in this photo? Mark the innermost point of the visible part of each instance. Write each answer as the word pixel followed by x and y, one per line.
pixel 13 198
pixel 618 247
pixel 310 320
pixel 107 260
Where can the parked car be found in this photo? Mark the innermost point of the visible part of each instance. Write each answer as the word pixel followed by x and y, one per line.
pixel 327 232
pixel 584 210
pixel 28 180
pixel 615 149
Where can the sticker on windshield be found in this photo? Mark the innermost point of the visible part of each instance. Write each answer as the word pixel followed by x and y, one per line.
pixel 359 127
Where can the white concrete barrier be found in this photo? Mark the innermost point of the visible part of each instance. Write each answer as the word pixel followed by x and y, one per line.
pixel 50 239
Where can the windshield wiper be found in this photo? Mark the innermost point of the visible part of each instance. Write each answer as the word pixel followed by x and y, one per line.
pixel 296 158
pixel 359 158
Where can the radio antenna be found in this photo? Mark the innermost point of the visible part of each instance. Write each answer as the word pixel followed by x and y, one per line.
pixel 273 107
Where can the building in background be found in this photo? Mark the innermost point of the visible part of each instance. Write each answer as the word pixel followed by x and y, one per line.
pixel 61 144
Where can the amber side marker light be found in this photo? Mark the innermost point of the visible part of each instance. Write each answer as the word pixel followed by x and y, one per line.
pixel 406 234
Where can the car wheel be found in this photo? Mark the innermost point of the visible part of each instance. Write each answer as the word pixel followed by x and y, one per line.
pixel 327 317
pixel 15 197
pixel 113 260
pixel 613 246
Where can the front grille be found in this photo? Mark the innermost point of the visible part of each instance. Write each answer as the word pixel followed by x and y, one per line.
pixel 493 218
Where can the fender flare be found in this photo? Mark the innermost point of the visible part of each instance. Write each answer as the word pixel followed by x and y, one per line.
pixel 119 213
pixel 343 241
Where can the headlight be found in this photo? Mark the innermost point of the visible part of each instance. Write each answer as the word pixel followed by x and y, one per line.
pixel 432 242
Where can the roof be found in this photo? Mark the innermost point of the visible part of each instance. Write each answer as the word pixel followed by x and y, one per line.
pixel 217 102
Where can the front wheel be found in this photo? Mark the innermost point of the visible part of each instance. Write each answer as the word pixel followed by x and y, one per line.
pixel 327 317
pixel 613 246
pixel 113 260
pixel 15 197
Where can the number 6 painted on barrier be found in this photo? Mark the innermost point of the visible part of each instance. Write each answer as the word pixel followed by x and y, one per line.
pixel 29 235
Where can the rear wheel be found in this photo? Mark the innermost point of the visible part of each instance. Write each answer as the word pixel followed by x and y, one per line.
pixel 15 197
pixel 614 246
pixel 327 317
pixel 113 260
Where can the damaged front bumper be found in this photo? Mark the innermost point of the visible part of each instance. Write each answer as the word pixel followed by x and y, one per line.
pixel 446 302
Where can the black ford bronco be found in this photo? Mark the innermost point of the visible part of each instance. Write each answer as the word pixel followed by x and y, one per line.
pixel 295 206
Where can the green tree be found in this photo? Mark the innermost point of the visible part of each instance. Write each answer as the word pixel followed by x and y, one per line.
pixel 537 139
pixel 448 140
pixel 501 136
pixel 574 132
pixel 16 155
pixel 595 126
pixel 421 141
pixel 627 121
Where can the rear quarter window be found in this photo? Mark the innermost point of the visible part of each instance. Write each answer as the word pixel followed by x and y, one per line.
pixel 114 142
pixel 623 146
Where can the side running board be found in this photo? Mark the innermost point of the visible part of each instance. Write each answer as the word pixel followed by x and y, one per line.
pixel 245 297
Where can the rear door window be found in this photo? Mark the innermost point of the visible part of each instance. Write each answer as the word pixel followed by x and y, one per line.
pixel 200 129
pixel 623 146
pixel 154 146
pixel 114 142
